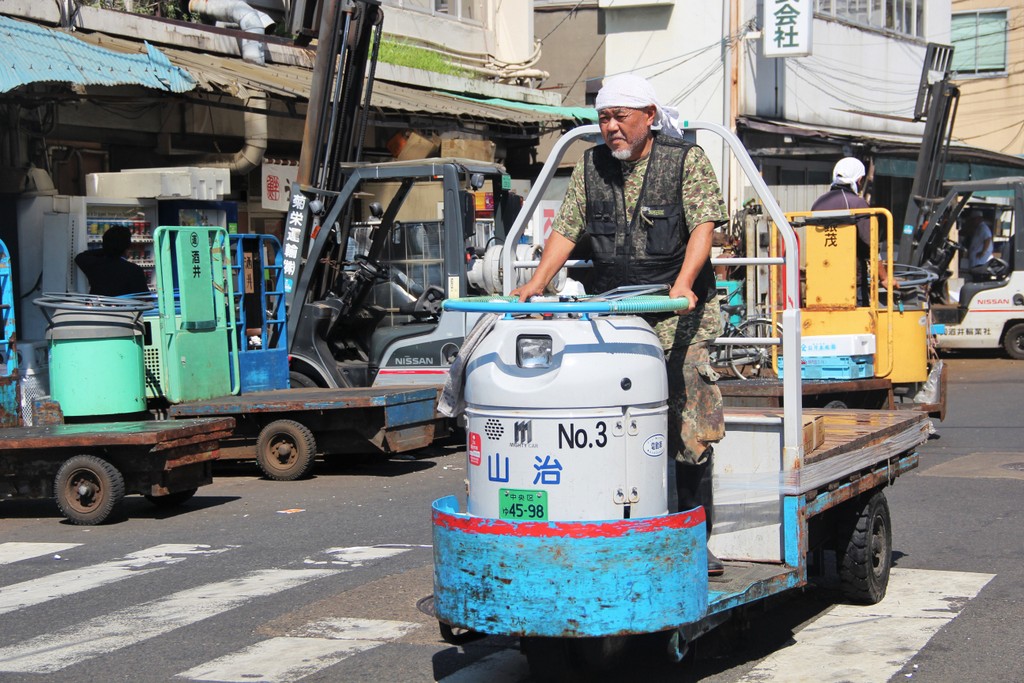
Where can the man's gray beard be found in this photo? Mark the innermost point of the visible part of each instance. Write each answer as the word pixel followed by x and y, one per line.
pixel 625 154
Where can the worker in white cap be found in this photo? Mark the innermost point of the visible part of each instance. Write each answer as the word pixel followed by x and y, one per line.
pixel 649 201
pixel 847 182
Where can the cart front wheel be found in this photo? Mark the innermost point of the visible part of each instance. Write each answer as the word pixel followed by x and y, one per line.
pixel 88 489
pixel 457 636
pixel 867 558
pixel 573 660
pixel 285 450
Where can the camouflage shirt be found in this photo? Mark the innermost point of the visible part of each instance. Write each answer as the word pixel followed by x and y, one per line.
pixel 702 202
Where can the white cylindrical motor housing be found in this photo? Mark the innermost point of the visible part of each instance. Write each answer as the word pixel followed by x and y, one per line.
pixel 582 437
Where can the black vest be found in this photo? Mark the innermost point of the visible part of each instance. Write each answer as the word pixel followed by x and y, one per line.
pixel 650 248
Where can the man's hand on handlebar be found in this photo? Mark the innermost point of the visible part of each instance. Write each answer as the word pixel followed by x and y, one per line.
pixel 530 289
pixel 679 291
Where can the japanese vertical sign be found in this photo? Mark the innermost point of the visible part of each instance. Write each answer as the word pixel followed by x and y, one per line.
pixel 195 259
pixel 787 28
pixel 276 179
pixel 294 236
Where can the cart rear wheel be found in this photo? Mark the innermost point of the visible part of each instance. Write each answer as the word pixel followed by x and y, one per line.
pixel 87 489
pixel 172 499
pixel 285 450
pixel 867 557
pixel 1013 342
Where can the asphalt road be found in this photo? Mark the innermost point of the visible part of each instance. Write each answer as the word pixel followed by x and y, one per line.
pixel 320 580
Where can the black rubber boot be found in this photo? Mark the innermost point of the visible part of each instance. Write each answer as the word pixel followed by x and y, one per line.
pixel 693 489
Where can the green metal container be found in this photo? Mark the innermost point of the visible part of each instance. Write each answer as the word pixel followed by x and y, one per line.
pixel 96 361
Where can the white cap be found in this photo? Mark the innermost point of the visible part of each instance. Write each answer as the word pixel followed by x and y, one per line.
pixel 636 92
pixel 848 171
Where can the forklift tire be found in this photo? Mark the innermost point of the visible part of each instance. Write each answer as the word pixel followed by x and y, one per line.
pixel 297 380
pixel 1013 342
pixel 172 499
pixel 867 557
pixel 285 450
pixel 87 489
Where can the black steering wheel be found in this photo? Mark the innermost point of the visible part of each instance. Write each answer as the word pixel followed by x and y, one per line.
pixel 997 268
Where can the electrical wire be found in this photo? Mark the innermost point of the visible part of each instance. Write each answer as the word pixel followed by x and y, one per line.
pixel 567 15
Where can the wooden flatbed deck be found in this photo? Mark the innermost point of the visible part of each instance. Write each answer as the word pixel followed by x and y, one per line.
pixel 329 421
pixel 157 434
pixel 854 440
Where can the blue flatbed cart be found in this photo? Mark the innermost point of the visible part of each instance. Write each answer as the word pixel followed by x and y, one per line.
pixel 565 539
pixel 221 352
pixel 285 429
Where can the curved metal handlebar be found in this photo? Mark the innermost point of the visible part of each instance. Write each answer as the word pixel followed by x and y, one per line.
pixel 89 302
pixel 511 304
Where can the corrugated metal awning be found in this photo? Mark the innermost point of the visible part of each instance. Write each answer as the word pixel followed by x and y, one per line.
pixel 237 78
pixel 827 133
pixel 36 54
pixel 889 144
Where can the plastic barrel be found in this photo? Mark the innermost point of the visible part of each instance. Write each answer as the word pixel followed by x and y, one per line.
pixel 96 360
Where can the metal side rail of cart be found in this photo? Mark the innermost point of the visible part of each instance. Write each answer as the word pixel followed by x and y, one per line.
pixel 285 430
pixel 89 468
pixel 565 539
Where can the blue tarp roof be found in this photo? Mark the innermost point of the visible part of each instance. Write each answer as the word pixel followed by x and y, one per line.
pixel 35 54
pixel 587 114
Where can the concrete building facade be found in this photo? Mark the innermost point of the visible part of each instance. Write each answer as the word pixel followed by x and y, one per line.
pixel 988 37
pixel 853 93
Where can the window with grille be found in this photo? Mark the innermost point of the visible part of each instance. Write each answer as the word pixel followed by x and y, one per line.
pixel 899 16
pixel 979 41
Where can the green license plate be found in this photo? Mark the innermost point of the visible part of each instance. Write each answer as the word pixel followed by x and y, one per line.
pixel 523 506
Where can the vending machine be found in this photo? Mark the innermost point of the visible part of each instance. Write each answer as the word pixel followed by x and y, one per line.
pixel 53 229
pixel 185 213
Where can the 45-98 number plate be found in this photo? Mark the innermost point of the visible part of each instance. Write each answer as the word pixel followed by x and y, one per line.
pixel 523 506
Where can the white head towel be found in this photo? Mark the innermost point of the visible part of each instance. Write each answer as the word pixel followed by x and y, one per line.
pixel 635 92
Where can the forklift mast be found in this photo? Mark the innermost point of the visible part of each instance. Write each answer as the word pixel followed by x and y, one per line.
pixel 937 101
pixel 339 104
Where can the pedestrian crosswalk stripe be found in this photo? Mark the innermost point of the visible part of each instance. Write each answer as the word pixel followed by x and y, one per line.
pixel 75 581
pixel 278 660
pixel 52 652
pixel 306 650
pixel 872 643
pixel 347 628
pixel 16 552
pixel 357 556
